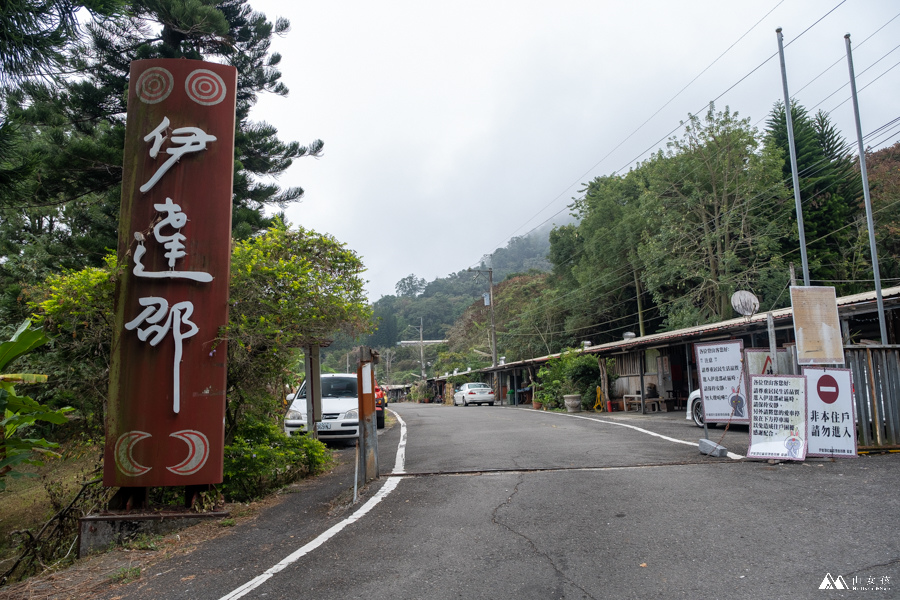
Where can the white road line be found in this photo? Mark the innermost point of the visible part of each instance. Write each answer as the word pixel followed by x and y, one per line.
pixel 386 489
pixel 731 455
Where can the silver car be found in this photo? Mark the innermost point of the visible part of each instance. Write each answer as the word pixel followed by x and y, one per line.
pixel 473 393
pixel 340 409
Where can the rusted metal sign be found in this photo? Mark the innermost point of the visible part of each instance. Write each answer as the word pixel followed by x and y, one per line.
pixel 817 326
pixel 165 419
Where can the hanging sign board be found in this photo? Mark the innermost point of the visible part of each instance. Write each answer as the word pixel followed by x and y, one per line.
pixel 759 361
pixel 165 421
pixel 777 417
pixel 817 326
pixel 723 386
pixel 831 413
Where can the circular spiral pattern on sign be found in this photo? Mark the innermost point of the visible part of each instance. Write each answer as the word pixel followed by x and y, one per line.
pixel 205 87
pixel 154 85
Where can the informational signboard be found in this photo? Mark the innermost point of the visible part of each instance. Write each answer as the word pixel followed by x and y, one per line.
pixel 817 326
pixel 777 417
pixel 723 385
pixel 165 421
pixel 758 361
pixel 831 413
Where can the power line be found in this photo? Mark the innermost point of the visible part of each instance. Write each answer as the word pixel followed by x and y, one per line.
pixel 822 164
pixel 555 199
pixel 635 131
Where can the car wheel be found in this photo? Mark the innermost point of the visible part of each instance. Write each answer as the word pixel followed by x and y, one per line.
pixel 379 419
pixel 697 413
pixel 464 402
pixel 490 403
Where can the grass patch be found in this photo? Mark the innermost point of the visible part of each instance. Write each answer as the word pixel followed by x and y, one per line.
pixel 144 541
pixel 27 504
pixel 125 575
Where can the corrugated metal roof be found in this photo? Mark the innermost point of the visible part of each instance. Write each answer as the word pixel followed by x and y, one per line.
pixel 855 300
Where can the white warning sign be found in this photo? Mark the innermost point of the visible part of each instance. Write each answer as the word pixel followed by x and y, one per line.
pixel 778 417
pixel 723 385
pixel 831 413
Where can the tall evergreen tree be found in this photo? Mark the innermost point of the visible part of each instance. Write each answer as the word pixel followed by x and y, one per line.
pixel 71 134
pixel 829 190
pixel 716 199
pixel 35 33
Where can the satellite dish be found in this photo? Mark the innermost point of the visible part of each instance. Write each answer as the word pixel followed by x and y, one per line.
pixel 745 303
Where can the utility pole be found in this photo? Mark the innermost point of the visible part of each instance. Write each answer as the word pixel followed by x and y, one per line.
pixel 868 200
pixel 637 288
pixel 793 151
pixel 493 329
pixel 490 301
pixel 422 347
pixel 421 343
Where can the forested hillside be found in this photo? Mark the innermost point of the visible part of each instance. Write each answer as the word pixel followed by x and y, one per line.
pixel 665 245
pixel 438 305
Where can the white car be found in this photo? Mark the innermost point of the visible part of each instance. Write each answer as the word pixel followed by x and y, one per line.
pixel 340 409
pixel 695 409
pixel 473 393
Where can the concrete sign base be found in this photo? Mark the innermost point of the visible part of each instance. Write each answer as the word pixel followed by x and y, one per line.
pixel 711 448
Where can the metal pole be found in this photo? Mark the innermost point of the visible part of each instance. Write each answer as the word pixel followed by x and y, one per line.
pixel 865 182
pixel 796 179
pixel 643 357
pixel 637 288
pixel 493 331
pixel 312 364
pixel 422 347
pixel 773 345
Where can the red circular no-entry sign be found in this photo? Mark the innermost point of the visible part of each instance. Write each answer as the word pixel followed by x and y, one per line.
pixel 827 388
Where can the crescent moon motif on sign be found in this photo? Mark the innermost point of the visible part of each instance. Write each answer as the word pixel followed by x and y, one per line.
pixel 124 460
pixel 198 452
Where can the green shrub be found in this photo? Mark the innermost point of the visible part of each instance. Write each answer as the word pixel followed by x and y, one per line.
pixel 262 458
pixel 569 373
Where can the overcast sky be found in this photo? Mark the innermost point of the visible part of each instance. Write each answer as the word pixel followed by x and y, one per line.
pixel 450 127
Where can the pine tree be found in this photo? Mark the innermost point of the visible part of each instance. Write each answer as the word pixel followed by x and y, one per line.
pixel 70 134
pixel 829 191
pixel 35 33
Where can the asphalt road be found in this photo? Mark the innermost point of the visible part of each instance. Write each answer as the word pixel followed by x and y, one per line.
pixel 503 502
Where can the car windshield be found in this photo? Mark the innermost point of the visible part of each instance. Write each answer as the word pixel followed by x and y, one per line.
pixel 478 385
pixel 335 387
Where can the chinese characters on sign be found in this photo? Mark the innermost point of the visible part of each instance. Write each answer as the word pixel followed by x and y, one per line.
pixel 165 423
pixel 831 413
pixel 723 386
pixel 817 326
pixel 778 417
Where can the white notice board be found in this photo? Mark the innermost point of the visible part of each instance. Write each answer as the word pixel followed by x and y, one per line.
pixel 830 413
pixel 723 386
pixel 777 417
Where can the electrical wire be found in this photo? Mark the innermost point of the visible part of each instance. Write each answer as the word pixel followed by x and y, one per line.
pixel 655 144
pixel 641 126
pixel 824 163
